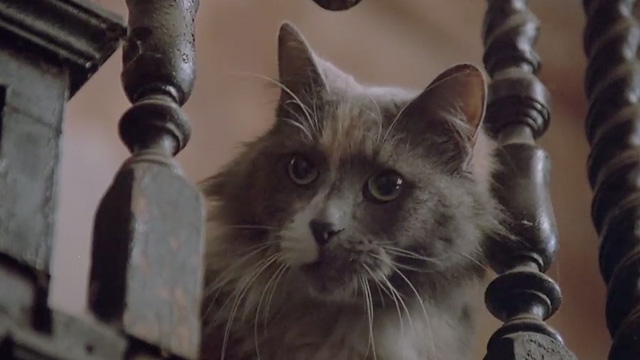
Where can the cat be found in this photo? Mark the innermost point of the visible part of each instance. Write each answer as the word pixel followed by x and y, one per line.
pixel 353 228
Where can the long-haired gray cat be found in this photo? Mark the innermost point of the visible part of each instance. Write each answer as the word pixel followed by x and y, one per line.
pixel 353 229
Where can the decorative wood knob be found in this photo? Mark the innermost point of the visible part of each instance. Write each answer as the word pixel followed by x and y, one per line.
pixel 337 5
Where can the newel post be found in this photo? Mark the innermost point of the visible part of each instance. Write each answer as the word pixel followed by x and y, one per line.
pixel 522 295
pixel 612 80
pixel 147 258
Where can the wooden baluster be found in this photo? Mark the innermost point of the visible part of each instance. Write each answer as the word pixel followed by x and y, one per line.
pixel 147 270
pixel 613 124
pixel 522 295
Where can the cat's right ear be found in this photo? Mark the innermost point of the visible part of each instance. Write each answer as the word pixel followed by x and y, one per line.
pixel 299 75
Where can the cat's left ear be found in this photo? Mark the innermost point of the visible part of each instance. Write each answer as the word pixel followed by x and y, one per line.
pixel 298 70
pixel 455 97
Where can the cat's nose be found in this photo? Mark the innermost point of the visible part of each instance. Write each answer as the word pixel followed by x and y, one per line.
pixel 322 231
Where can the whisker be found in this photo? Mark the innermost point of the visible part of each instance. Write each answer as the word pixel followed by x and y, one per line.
pixel 315 117
pixel 213 290
pixel 406 267
pixel 409 254
pixel 278 84
pixel 360 284
pixel 387 287
pixel 282 270
pixel 378 117
pixel 309 121
pixel 411 268
pixel 421 301
pixel 402 303
pixel 237 293
pixel 240 262
pixel 369 302
pixel 475 261
pixel 262 245
pixel 395 120
pixel 413 255
pixel 302 128
pixel 249 226
pixel 377 284
pixel 296 99
pixel 264 292
pixel 238 298
pixel 376 280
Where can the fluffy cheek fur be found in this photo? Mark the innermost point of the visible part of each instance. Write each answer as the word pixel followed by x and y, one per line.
pixel 439 224
pixel 295 240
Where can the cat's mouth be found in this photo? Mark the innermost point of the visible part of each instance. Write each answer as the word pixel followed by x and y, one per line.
pixel 329 281
pixel 340 278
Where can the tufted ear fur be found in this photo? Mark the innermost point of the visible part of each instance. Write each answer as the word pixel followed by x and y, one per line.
pixel 299 74
pixel 451 108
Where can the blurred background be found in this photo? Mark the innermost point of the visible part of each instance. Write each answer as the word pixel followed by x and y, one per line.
pixel 391 42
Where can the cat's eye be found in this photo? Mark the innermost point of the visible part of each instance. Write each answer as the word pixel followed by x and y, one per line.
pixel 384 186
pixel 302 171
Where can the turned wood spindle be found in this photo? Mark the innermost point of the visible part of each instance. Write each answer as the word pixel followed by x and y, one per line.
pixel 612 82
pixel 147 270
pixel 522 295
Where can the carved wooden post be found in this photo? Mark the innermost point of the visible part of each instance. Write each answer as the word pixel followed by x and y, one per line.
pixel 613 124
pixel 522 295
pixel 147 271
pixel 48 50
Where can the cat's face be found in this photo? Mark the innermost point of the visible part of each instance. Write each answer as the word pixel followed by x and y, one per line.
pixel 358 187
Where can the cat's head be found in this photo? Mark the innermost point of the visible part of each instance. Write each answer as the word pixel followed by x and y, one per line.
pixel 358 186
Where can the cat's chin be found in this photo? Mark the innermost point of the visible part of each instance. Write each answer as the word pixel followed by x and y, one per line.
pixel 337 296
pixel 325 287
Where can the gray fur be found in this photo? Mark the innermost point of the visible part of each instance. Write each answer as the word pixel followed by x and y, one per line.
pixel 397 281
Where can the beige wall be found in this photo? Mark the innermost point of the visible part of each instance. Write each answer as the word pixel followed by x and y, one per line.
pixel 399 42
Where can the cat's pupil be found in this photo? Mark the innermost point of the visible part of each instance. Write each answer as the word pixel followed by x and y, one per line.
pixel 385 186
pixel 301 170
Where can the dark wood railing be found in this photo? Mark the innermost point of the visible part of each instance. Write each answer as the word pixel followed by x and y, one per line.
pixel 145 290
pixel 611 44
